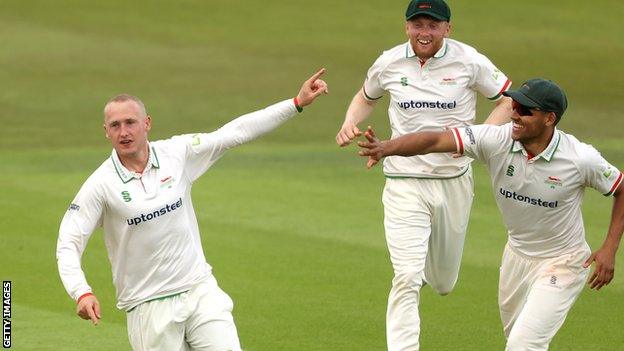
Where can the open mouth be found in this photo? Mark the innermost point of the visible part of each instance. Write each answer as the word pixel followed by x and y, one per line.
pixel 423 42
pixel 125 142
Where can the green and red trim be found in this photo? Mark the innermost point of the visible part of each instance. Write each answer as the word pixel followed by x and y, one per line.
pixel 504 89
pixel 615 186
pixel 460 142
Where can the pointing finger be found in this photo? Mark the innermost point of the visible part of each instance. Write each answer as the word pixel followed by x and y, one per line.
pixel 317 75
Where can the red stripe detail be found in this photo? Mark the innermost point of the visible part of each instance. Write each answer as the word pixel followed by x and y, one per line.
pixel 617 182
pixel 507 84
pixel 83 296
pixel 460 142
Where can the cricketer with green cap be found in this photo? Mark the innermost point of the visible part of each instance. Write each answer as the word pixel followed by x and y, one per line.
pixel 540 94
pixel 539 175
pixel 437 9
pixel 432 82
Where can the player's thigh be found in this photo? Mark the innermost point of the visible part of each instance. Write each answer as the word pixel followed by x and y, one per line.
pixel 211 327
pixel 451 212
pixel 151 326
pixel 407 223
pixel 448 231
pixel 548 302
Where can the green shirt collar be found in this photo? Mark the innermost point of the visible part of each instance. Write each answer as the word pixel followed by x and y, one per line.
pixel 127 175
pixel 548 152
pixel 409 50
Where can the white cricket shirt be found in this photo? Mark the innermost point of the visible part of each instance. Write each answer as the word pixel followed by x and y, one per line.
pixel 437 95
pixel 540 198
pixel 150 228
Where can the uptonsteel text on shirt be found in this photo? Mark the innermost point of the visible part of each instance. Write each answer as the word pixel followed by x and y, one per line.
pixel 427 104
pixel 149 216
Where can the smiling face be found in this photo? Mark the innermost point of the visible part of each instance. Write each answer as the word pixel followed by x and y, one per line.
pixel 532 126
pixel 126 125
pixel 426 35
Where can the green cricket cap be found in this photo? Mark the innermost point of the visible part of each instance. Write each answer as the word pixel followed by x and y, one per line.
pixel 542 94
pixel 437 9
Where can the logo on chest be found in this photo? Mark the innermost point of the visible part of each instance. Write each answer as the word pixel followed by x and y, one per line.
pixel 167 182
pixel 125 195
pixel 510 171
pixel 553 182
pixel 448 81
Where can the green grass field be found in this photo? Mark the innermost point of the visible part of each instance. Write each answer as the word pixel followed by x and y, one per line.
pixel 291 223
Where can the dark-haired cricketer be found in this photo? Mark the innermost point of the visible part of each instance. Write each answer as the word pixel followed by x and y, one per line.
pixel 539 175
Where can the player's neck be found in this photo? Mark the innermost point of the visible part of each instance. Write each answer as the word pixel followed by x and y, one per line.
pixel 135 162
pixel 535 146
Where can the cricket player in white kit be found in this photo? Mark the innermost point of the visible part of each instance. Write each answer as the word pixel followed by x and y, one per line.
pixel 538 175
pixel 433 83
pixel 141 196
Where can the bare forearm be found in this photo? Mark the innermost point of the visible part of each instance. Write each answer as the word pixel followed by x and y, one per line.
pixel 420 143
pixel 359 109
pixel 502 112
pixel 616 227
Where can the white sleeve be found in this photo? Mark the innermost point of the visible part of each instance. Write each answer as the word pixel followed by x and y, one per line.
pixel 481 141
pixel 489 80
pixel 204 149
pixel 372 85
pixel 598 173
pixel 83 215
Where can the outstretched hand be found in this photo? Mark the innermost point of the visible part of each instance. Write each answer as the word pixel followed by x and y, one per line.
pixel 312 88
pixel 373 148
pixel 604 268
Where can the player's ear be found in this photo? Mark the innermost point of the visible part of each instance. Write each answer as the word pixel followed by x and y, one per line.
pixel 448 31
pixel 105 131
pixel 148 123
pixel 551 119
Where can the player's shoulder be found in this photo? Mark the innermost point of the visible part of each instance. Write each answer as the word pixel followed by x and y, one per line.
pixel 488 136
pixel 574 148
pixel 456 48
pixel 172 145
pixel 100 176
pixel 492 130
pixel 459 47
pixel 394 54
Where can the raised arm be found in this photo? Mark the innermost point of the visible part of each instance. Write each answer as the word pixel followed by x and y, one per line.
pixel 407 145
pixel 605 256
pixel 255 124
pixel 359 110
pixel 502 112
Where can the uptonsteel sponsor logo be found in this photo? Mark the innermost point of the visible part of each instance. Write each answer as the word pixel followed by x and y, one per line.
pixel 144 217
pixel 527 199
pixel 427 104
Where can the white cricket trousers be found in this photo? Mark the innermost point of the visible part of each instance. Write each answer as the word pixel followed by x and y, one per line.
pixel 425 222
pixel 535 295
pixel 199 319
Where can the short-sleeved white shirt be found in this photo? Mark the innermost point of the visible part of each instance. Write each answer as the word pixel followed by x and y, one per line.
pixel 150 229
pixel 540 198
pixel 440 94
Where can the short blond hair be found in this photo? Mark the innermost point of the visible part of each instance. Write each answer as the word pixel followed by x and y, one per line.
pixel 124 98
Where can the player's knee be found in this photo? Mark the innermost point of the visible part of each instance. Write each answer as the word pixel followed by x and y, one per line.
pixel 442 288
pixel 408 279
